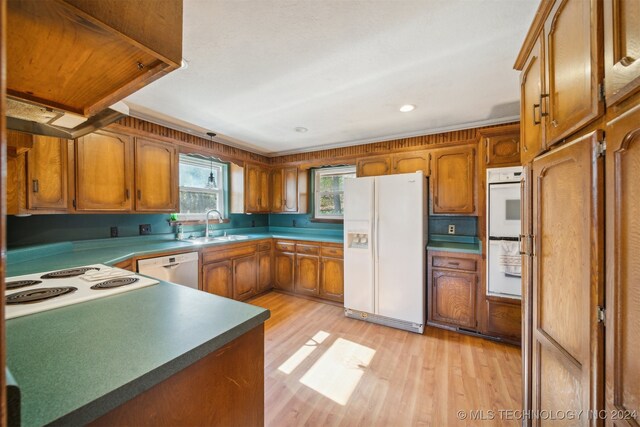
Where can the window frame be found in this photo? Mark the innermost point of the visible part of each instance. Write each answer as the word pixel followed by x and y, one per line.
pixel 317 174
pixel 221 191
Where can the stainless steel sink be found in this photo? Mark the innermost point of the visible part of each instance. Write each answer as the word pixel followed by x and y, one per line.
pixel 219 239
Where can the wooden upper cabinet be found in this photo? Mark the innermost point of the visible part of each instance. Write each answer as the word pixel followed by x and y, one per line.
pixel 276 191
pixel 501 146
pixel 621 48
pixel 574 73
pixel 82 56
pixel 531 89
pixel 568 225
pixel 256 189
pixel 373 166
pixel 453 181
pixel 47 185
pixel 622 266
pixel 217 279
pixel 290 189
pixel 104 172
pixel 411 162
pixel 245 277
pixel 156 176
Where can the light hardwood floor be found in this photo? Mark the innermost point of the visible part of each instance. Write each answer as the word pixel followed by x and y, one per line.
pixel 323 369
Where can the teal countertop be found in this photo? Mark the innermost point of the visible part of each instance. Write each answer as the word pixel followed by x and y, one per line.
pixel 452 243
pixel 76 363
pixel 56 256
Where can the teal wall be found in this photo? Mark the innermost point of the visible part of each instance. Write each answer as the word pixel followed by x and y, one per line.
pixel 465 225
pixel 57 228
pixel 301 221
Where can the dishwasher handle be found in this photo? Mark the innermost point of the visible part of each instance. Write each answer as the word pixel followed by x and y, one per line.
pixel 176 264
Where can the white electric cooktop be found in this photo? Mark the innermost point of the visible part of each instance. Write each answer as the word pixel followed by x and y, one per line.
pixel 33 293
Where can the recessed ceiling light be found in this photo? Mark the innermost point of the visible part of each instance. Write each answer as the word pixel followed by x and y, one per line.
pixel 300 129
pixel 407 107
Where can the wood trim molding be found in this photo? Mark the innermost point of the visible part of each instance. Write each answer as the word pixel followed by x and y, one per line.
pixel 532 36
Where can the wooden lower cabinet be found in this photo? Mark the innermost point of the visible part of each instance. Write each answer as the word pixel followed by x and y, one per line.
pixel 452 289
pixel 307 274
pixel 216 279
pixel 264 271
pixel 332 279
pixel 503 319
pixel 283 274
pixel 245 277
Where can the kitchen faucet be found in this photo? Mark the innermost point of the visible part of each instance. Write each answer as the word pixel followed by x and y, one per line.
pixel 206 232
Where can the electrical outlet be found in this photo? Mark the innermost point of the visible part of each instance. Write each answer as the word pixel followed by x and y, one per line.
pixel 145 229
pixel 253 222
pixel 452 229
pixel 114 231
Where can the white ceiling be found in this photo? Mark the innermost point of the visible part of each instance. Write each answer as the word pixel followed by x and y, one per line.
pixel 341 68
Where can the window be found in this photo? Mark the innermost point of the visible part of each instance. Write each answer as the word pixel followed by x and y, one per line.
pixel 329 191
pixel 199 191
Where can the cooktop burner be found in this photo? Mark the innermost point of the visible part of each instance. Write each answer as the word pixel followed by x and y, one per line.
pixel 71 272
pixel 37 295
pixel 115 283
pixel 21 284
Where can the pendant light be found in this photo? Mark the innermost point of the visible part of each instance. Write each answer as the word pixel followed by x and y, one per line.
pixel 211 182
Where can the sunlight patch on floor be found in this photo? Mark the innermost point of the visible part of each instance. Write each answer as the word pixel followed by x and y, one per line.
pixel 338 371
pixel 303 352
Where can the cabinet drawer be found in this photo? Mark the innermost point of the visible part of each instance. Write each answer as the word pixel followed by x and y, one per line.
pixel 332 251
pixel 225 254
pixel 264 246
pixel 307 249
pixel 455 263
pixel 286 246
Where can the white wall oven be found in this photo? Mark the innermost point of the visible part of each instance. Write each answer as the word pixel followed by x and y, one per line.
pixel 504 269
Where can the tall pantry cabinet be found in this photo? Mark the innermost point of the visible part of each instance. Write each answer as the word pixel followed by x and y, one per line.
pixel 580 145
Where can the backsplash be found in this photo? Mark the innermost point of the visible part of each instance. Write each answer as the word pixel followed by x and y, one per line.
pixel 465 225
pixel 301 221
pixel 59 228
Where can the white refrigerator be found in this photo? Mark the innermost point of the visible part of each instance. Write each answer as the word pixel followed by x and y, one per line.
pixel 385 229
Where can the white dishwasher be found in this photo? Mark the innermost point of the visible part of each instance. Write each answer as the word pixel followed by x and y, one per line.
pixel 181 269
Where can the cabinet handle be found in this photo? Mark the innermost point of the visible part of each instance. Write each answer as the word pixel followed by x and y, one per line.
pixel 627 60
pixel 36 186
pixel 535 122
pixel 543 112
pixel 139 194
pixel 453 263
pixel 554 123
pixel 126 194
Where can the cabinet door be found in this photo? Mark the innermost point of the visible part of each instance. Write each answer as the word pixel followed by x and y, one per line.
pixel 567 279
pixel 411 162
pixel 307 274
pixel 332 279
pixel 47 186
pixel 573 71
pixel 373 166
pixel 284 271
pixel 216 279
pixel 453 181
pixel 156 172
pixel 264 270
pixel 453 297
pixel 264 194
pixel 621 48
pixel 104 172
pixel 623 267
pixel 502 150
pixel 245 277
pixel 531 89
pixel 290 180
pixel 276 191
pixel 252 188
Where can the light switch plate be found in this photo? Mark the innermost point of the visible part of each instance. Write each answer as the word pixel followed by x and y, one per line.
pixel 452 229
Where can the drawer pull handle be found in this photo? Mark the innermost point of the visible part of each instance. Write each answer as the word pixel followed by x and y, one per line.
pixel 453 263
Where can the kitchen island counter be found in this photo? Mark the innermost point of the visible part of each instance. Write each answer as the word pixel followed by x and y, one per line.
pixel 76 363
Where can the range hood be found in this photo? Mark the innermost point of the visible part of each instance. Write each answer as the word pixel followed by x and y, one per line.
pixel 23 116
